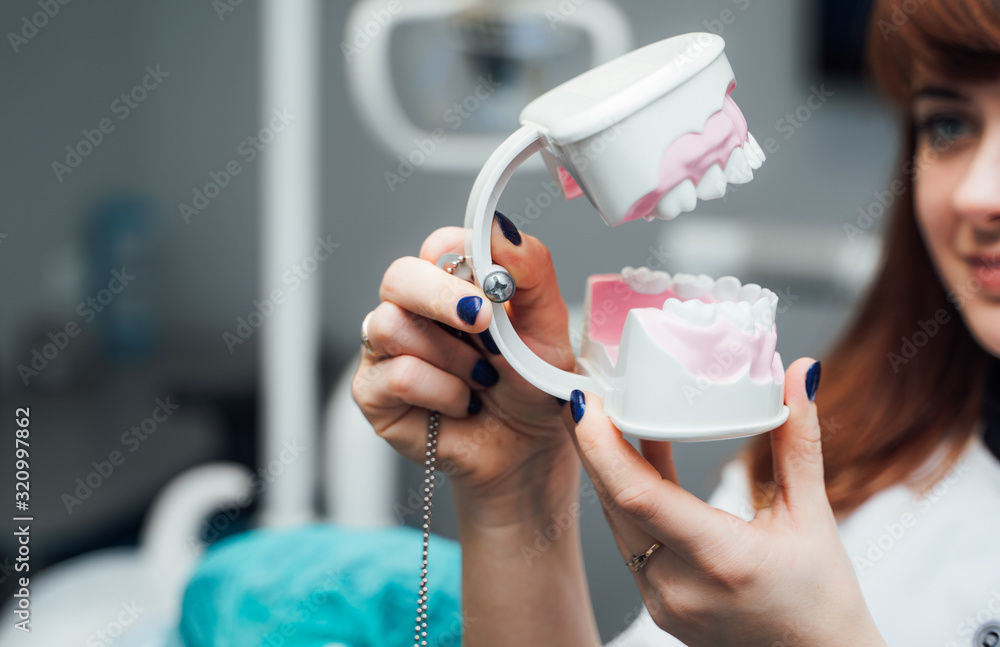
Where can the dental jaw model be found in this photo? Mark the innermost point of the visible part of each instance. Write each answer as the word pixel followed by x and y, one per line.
pixel 646 136
pixel 702 350
pixel 677 357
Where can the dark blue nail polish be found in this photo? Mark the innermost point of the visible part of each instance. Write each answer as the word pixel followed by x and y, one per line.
pixel 468 309
pixel 577 404
pixel 812 381
pixel 562 403
pixel 484 373
pixel 475 404
pixel 488 342
pixel 508 229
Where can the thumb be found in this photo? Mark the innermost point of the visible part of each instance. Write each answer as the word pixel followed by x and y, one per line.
pixel 660 455
pixel 796 446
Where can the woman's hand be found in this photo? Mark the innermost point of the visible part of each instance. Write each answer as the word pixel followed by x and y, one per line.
pixel 512 466
pixel 782 579
pixel 501 440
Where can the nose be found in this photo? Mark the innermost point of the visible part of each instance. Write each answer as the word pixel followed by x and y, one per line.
pixel 977 197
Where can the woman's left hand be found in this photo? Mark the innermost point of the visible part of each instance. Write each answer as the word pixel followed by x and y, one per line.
pixel 782 579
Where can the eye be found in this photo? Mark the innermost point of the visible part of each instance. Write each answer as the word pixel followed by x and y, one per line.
pixel 942 129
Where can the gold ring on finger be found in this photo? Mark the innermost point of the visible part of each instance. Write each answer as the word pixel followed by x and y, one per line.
pixel 365 339
pixel 635 562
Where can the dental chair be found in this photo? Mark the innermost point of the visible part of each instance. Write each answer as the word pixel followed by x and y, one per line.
pixel 130 597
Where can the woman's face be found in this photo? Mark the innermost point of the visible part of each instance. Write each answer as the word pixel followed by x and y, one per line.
pixel 957 194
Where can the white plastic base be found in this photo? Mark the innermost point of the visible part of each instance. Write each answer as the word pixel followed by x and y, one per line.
pixel 720 433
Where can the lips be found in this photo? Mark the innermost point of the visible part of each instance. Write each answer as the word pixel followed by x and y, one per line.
pixel 986 270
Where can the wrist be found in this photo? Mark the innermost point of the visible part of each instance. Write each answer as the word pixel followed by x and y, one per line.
pixel 546 487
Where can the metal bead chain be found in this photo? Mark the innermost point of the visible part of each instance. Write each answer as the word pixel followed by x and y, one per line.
pixel 420 630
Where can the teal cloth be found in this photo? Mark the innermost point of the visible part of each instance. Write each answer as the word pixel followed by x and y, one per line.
pixel 322 586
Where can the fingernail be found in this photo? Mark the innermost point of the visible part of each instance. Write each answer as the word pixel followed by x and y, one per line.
pixel 488 342
pixel 577 404
pixel 562 403
pixel 468 308
pixel 812 381
pixel 484 373
pixel 475 404
pixel 508 229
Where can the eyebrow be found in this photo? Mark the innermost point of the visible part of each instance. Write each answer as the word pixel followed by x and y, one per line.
pixel 939 92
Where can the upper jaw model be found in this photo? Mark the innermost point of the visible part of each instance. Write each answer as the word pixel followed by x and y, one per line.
pixel 701 140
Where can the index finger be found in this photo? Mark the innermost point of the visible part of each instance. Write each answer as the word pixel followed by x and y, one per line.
pixel 664 509
pixel 418 286
pixel 537 309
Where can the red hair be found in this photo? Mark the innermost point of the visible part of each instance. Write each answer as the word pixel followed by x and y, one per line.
pixel 886 408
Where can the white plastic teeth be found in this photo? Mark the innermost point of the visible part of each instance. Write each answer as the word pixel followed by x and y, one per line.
pixel 681 198
pixel 757 151
pixel 742 162
pixel 689 286
pixel 747 306
pixel 712 184
pixel 691 311
pixel 646 281
pixel 738 169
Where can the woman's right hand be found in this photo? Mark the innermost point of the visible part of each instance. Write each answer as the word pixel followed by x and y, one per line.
pixel 501 440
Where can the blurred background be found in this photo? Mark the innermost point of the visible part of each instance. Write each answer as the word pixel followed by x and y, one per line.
pixel 200 198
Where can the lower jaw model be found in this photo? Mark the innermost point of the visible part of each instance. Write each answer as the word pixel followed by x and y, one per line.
pixel 697 352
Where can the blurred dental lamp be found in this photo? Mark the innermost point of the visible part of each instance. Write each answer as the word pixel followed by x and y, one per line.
pixel 443 81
